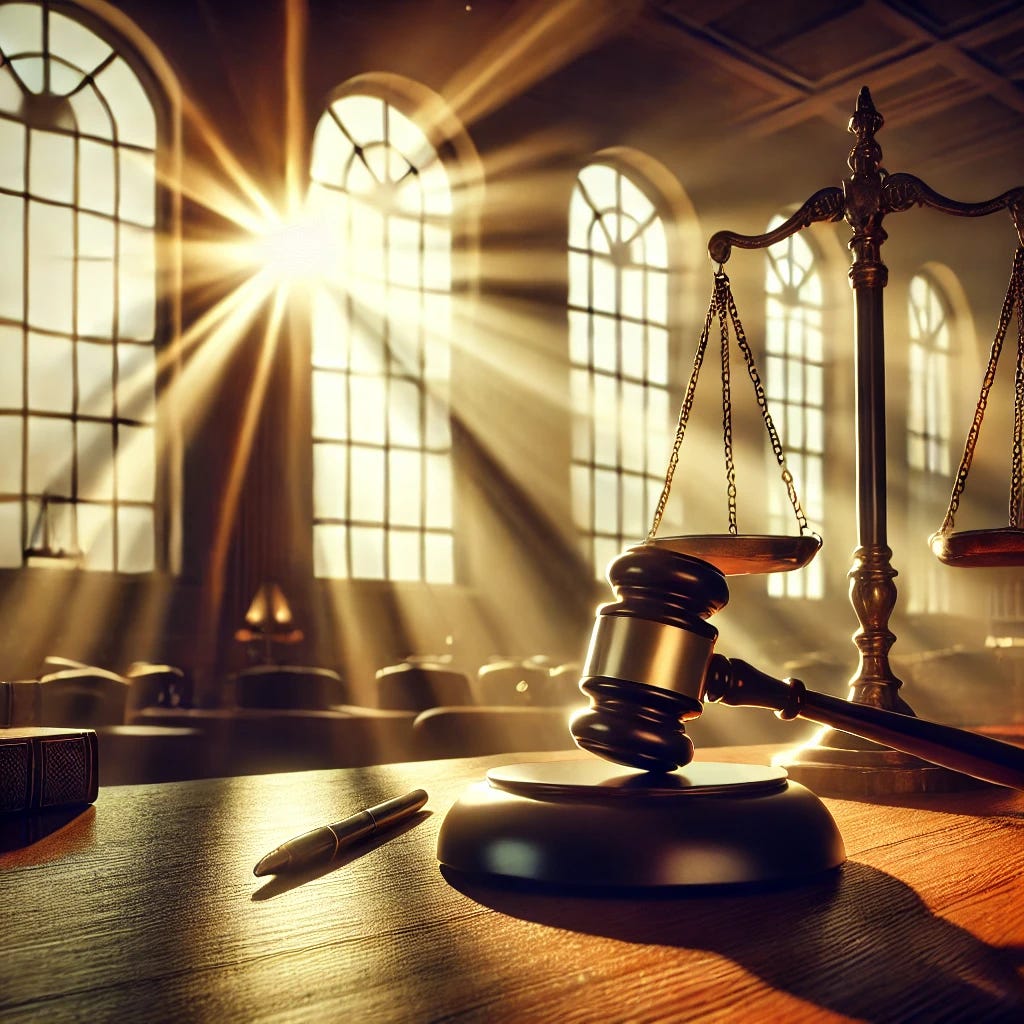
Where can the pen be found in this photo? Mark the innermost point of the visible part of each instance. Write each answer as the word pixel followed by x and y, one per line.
pixel 321 845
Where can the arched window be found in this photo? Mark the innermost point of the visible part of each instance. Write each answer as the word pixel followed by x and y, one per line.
pixel 928 435
pixel 382 441
pixel 78 304
pixel 928 448
pixel 618 357
pixel 795 387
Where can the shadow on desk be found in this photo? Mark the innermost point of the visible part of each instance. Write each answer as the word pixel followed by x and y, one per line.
pixel 902 962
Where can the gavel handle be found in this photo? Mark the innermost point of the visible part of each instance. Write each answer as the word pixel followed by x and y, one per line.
pixel 735 682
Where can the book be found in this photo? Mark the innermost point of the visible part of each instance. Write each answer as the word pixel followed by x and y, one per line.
pixel 42 768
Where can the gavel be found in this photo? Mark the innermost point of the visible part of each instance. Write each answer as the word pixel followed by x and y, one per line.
pixel 651 664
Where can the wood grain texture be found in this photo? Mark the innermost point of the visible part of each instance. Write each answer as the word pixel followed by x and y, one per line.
pixel 145 908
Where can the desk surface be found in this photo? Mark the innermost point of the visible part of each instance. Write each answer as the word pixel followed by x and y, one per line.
pixel 145 908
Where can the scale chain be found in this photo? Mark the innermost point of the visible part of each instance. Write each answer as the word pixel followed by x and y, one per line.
pixel 1016 483
pixel 723 306
pixel 762 404
pixel 684 416
pixel 1014 298
pixel 721 299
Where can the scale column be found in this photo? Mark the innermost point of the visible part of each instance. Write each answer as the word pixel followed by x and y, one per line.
pixel 837 762
pixel 872 590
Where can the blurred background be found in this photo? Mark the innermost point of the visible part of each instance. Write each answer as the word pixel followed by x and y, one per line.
pixel 347 339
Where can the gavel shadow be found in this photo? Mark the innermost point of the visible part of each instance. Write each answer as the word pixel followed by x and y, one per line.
pixel 857 942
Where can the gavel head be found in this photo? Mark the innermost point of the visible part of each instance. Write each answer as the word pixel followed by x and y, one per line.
pixel 648 657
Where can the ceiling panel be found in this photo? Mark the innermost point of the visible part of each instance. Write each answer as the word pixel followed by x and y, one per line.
pixel 953 68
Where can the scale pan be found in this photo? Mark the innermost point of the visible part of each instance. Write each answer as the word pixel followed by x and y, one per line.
pixel 972 549
pixel 746 554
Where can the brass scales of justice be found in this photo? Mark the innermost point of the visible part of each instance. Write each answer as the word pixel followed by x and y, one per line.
pixel 642 814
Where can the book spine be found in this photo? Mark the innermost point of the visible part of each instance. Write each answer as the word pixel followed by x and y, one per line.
pixel 44 772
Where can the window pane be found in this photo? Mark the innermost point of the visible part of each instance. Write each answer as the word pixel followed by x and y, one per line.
pixel 12 155
pixel 136 480
pixel 367 553
pixel 95 298
pixel 329 551
pixel 367 497
pixel 405 488
pixel 657 356
pixel 604 295
pixel 51 266
pixel 11 258
pixel 368 409
pixel 579 280
pixel 437 195
pixel 10 535
pixel 10 368
pixel 136 378
pixel 95 376
pixel 329 481
pixel 135 550
pixel 75 43
pixel 96 176
pixel 439 492
pixel 96 461
pixel 91 115
pixel 403 555
pixel 404 414
pixel 132 110
pixel 137 187
pixel 137 281
pixel 51 173
pixel 49 456
pixel 634 512
pixel 331 151
pixel 606 501
pixel 10 92
pixel 330 330
pixel 581 497
pixel 50 366
pixel 440 558
pixel 10 464
pixel 96 536
pixel 631 302
pixel 330 415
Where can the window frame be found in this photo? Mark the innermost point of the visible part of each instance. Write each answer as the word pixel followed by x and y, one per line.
pixel 454 153
pixel 795 417
pixel 671 214
pixel 158 84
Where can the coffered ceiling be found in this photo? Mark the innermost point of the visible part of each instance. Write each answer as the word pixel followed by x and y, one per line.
pixel 948 73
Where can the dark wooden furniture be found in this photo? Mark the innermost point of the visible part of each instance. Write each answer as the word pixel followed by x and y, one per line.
pixel 411 686
pixel 295 687
pixel 472 731
pixel 145 908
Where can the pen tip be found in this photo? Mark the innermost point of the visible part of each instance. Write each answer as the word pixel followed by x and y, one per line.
pixel 271 864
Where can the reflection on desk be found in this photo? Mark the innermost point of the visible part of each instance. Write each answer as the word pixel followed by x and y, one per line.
pixel 146 908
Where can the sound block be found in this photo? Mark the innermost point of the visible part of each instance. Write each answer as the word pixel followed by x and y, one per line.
pixel 593 824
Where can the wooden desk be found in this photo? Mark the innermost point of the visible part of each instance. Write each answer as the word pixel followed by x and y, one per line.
pixel 145 909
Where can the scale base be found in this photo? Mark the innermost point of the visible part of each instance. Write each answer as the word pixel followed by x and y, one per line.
pixel 595 825
pixel 831 765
